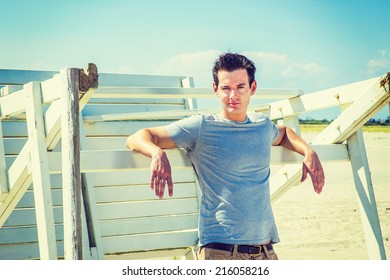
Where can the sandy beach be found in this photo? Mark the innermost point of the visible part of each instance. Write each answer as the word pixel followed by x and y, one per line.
pixel 328 226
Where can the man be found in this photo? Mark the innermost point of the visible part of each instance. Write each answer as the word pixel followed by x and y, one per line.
pixel 230 152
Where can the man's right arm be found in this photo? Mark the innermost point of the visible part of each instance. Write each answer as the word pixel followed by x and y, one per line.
pixel 151 142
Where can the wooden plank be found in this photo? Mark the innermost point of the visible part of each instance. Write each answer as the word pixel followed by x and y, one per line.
pixel 168 254
pixel 315 101
pixel 126 210
pixel 163 115
pixel 103 109
pixel 184 92
pixel 50 89
pixel 20 77
pixel 169 240
pixel 13 146
pixel 135 80
pixel 109 228
pixel 124 128
pixel 40 172
pixel 9 89
pixel 149 225
pixel 3 167
pixel 364 188
pixel 112 194
pixel 13 104
pixel 131 100
pixel 19 180
pixel 115 160
pixel 14 128
pixel 138 176
pixel 71 178
pixel 27 217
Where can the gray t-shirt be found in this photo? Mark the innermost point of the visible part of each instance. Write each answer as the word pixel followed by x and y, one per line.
pixel 232 164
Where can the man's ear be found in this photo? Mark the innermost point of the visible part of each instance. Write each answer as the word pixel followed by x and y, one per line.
pixel 253 87
pixel 215 88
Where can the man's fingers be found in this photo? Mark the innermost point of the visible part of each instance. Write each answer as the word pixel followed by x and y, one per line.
pixel 304 173
pixel 170 186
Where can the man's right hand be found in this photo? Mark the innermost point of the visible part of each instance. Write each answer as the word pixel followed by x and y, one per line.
pixel 161 174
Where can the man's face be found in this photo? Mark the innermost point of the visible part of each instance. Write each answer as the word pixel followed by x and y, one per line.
pixel 234 93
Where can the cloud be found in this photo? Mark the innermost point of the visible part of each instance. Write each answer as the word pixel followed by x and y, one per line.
pixel 380 64
pixel 273 69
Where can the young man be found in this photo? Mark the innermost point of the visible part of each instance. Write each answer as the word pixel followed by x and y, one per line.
pixel 230 152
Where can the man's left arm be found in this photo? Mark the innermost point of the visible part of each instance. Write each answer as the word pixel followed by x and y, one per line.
pixel 311 163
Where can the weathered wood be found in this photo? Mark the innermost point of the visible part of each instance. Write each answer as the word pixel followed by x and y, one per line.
pixel 40 172
pixel 13 104
pixel 71 178
pixel 365 191
pixel 19 180
pixel 163 114
pixel 94 242
pixel 3 168
pixel 345 94
pixel 121 159
pixel 184 92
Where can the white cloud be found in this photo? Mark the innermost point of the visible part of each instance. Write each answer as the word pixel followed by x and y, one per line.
pixel 306 70
pixel 273 69
pixel 380 64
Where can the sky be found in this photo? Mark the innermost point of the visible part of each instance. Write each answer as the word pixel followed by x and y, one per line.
pixel 310 45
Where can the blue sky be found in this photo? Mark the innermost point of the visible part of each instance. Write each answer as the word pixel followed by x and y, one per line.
pixel 310 45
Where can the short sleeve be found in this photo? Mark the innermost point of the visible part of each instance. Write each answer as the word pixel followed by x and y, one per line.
pixel 274 132
pixel 185 132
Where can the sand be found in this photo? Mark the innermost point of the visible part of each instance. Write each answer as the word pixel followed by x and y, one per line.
pixel 328 226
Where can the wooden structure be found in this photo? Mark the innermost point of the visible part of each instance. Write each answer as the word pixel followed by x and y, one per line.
pixel 69 189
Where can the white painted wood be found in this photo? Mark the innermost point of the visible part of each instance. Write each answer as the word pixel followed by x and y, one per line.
pixel 184 92
pixel 169 240
pixel 355 116
pixel 138 209
pixel 9 89
pixel 50 89
pixel 293 123
pixel 71 178
pixel 102 109
pixel 3 168
pixel 40 172
pixel 13 104
pixel 20 77
pixel 19 180
pixel 13 146
pixel 150 255
pixel 163 115
pixel 92 227
pixel 366 195
pixel 123 128
pixel 345 94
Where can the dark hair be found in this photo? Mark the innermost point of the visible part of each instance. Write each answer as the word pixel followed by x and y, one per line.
pixel 231 62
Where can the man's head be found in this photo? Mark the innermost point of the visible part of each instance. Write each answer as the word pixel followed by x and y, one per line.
pixel 232 61
pixel 234 84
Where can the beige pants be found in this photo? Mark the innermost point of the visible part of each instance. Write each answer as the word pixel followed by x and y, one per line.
pixel 215 254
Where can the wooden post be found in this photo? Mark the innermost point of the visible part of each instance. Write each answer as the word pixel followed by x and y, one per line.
pixel 3 167
pixel 40 173
pixel 365 191
pixel 71 178
pixel 95 247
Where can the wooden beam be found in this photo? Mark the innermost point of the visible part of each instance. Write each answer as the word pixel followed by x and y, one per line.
pixel 40 173
pixel 364 188
pixel 71 178
pixel 164 115
pixel 315 101
pixel 13 104
pixel 95 247
pixel 184 92
pixel 357 114
pixel 3 168
pixel 19 178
